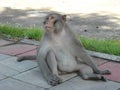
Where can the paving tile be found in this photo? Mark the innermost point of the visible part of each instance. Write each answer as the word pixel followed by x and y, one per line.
pixel 2 76
pixel 115 70
pixel 3 57
pixel 5 70
pixel 68 76
pixel 99 61
pixel 16 49
pixel 19 66
pixel 4 42
pixel 12 84
pixel 33 52
pixel 35 77
pixel 79 84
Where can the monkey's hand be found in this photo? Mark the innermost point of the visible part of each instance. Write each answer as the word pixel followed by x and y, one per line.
pixel 103 72
pixel 20 59
pixel 54 80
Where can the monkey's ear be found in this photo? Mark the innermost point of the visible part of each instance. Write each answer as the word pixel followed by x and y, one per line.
pixel 64 17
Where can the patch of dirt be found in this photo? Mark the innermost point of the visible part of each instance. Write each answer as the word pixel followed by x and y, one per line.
pixel 96 25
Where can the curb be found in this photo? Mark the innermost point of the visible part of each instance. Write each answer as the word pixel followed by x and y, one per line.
pixel 30 42
pixel 91 53
pixel 104 56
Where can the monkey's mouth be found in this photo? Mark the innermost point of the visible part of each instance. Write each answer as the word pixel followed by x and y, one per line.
pixel 48 28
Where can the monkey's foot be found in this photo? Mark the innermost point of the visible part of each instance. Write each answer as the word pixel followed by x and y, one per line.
pixel 103 72
pixel 20 59
pixel 104 78
pixel 54 80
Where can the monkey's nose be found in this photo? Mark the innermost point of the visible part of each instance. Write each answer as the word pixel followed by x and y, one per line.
pixel 48 26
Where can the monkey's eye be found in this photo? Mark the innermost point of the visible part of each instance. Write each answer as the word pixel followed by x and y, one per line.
pixel 52 17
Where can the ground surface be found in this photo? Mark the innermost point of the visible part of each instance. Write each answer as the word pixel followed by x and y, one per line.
pixel 99 19
pixel 27 76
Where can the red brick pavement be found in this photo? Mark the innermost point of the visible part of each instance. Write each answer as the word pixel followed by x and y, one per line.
pixel 23 49
pixel 115 70
pixel 4 42
pixel 16 49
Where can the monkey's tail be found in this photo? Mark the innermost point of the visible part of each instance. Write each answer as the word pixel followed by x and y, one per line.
pixel 22 58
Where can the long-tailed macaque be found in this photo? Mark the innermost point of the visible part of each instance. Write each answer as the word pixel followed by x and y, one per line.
pixel 60 51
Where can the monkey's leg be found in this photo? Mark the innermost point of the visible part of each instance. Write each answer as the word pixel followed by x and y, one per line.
pixel 87 73
pixel 52 64
pixel 93 77
pixel 88 60
pixel 22 58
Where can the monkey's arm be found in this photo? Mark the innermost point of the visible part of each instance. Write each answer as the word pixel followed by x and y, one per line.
pixel 88 59
pixel 41 58
pixel 78 47
pixel 48 66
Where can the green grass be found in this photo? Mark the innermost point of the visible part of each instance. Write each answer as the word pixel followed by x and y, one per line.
pixel 14 31
pixel 105 46
pixel 34 33
pixel 21 32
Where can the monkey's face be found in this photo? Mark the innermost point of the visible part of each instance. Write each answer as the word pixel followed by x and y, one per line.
pixel 54 23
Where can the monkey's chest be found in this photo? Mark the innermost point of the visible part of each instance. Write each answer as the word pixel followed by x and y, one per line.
pixel 66 62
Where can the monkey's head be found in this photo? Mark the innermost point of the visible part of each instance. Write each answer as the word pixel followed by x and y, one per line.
pixel 54 22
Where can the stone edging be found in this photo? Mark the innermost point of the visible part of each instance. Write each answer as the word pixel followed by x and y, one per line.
pixel 104 56
pixel 30 42
pixel 92 53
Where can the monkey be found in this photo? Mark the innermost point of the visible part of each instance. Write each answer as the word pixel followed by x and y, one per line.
pixel 28 57
pixel 60 51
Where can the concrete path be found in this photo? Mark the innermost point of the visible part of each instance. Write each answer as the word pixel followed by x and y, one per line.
pixel 27 76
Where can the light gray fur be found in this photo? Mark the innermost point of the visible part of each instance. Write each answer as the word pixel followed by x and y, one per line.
pixel 60 51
